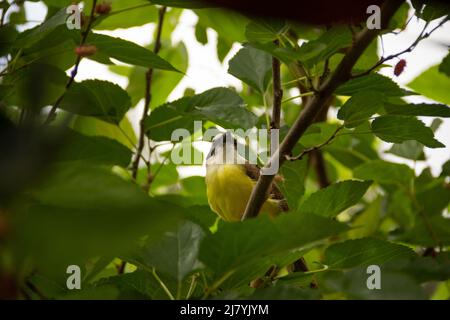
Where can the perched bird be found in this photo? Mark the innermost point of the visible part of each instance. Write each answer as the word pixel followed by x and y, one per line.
pixel 230 179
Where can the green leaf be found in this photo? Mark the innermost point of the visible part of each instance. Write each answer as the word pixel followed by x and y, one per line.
pixel 8 35
pixel 394 128
pixel 96 98
pixel 97 150
pixel 394 285
pixel 139 284
pixel 253 67
pixel 128 52
pixel 435 231
pixel 228 24
pixel 122 133
pixel 29 37
pixel 293 184
pixel 432 84
pixel 219 105
pixel 409 149
pixel 163 82
pixel 175 254
pixel 265 30
pixel 200 34
pixel 110 214
pixel 332 200
pixel 235 245
pixel 127 14
pixel 363 252
pixel 188 4
pixel 421 109
pixel 325 46
pixel 360 107
pixel 444 67
pixel 384 172
pixel 223 47
pixel 285 54
pixel 284 292
pixel 367 222
pixel 35 86
pixel 372 82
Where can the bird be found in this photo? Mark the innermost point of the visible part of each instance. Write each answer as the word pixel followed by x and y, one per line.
pixel 230 179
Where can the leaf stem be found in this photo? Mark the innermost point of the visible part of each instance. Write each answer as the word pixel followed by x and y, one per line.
pixel 162 284
pixel 306 94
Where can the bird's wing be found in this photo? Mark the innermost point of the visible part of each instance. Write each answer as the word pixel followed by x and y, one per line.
pixel 253 171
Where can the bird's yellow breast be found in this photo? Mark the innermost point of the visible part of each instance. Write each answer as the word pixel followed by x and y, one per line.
pixel 229 188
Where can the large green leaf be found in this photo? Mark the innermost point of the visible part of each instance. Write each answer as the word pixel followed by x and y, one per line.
pixel 101 99
pixel 395 128
pixel 335 198
pixel 372 82
pixel 253 66
pixel 363 252
pixel 30 37
pixel 122 133
pixel 432 84
pixel 293 184
pixel 163 82
pixel 435 231
pixel 35 86
pixel 100 150
pixel 326 45
pixel 175 254
pixel 360 107
pixel 128 52
pixel 220 105
pixel 82 211
pixel 265 30
pixel 236 244
pixel 420 109
pixel 384 172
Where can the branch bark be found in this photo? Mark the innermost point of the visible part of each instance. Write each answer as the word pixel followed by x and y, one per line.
pixel 315 104
pixel 148 97
pixel 277 93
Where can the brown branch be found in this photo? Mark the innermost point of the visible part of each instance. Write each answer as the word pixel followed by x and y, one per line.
pixel 423 35
pixel 73 74
pixel 277 93
pixel 148 98
pixel 317 159
pixel 314 106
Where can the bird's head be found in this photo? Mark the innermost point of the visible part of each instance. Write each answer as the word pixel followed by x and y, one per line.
pixel 223 150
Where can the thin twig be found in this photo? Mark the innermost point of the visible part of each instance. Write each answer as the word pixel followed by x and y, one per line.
pixel 73 74
pixel 319 146
pixel 148 97
pixel 423 35
pixel 314 105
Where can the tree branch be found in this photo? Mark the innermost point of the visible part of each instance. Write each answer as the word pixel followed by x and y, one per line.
pixel 73 74
pixel 148 97
pixel 314 106
pixel 277 93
